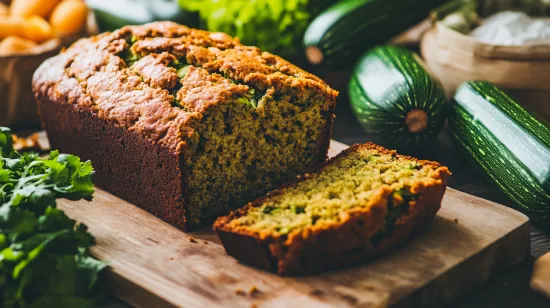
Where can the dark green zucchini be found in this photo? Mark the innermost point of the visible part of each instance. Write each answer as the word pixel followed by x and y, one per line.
pixel 398 103
pixel 111 15
pixel 509 143
pixel 341 33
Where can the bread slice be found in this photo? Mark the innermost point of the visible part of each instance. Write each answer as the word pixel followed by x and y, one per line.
pixel 360 204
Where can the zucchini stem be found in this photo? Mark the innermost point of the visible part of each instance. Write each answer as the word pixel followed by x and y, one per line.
pixel 416 120
pixel 314 55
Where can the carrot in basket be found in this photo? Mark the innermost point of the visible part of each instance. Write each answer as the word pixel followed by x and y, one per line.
pixel 27 8
pixel 11 26
pixel 13 45
pixel 69 17
pixel 37 29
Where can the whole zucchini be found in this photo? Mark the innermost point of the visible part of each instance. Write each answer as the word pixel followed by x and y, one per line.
pixel 341 33
pixel 398 103
pixel 509 143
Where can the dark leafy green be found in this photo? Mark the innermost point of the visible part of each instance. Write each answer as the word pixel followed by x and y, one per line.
pixel 43 253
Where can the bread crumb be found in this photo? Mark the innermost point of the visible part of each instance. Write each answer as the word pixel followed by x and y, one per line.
pixel 254 291
pixel 317 292
pixel 352 300
pixel 369 288
pixel 192 240
pixel 205 243
pixel 253 306
pixel 456 220
pixel 240 292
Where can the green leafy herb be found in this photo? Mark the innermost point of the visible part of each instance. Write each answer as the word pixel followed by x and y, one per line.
pixel 43 253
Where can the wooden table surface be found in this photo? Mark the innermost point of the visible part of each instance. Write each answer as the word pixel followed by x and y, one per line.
pixel 510 288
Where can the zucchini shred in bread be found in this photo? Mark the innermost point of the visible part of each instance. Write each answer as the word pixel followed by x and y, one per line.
pixel 360 204
pixel 182 122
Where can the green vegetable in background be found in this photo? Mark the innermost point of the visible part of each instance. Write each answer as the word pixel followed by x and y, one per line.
pixel 111 15
pixel 507 142
pixel 459 15
pixel 273 25
pixel 43 253
pixel 343 32
pixel 463 15
pixel 398 103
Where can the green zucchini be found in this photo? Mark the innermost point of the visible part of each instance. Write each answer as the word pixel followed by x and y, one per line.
pixel 398 103
pixel 111 15
pixel 341 33
pixel 509 143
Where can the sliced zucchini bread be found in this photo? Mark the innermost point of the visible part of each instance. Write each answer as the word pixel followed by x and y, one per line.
pixel 184 123
pixel 358 205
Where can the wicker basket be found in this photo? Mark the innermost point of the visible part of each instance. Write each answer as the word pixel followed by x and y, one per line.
pixel 17 105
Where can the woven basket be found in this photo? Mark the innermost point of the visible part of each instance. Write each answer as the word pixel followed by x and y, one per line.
pixel 17 105
pixel 523 71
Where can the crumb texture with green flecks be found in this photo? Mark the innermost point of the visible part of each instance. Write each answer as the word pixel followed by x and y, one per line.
pixel 362 203
pixel 327 198
pixel 243 152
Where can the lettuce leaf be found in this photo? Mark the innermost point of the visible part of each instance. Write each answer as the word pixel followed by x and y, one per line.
pixel 272 25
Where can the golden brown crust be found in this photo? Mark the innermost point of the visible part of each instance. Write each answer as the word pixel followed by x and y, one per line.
pixel 200 90
pixel 86 74
pixel 154 69
pixel 330 246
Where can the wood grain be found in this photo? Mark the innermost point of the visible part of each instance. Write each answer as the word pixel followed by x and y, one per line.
pixel 157 265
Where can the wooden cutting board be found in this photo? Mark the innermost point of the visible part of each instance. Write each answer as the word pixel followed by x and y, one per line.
pixel 157 265
pixel 540 281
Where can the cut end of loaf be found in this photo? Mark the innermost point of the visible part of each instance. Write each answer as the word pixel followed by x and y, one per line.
pixel 241 151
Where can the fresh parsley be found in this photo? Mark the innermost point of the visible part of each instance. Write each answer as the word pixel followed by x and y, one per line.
pixel 43 253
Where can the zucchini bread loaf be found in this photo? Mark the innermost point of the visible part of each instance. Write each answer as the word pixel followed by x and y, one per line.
pixel 181 122
pixel 358 205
